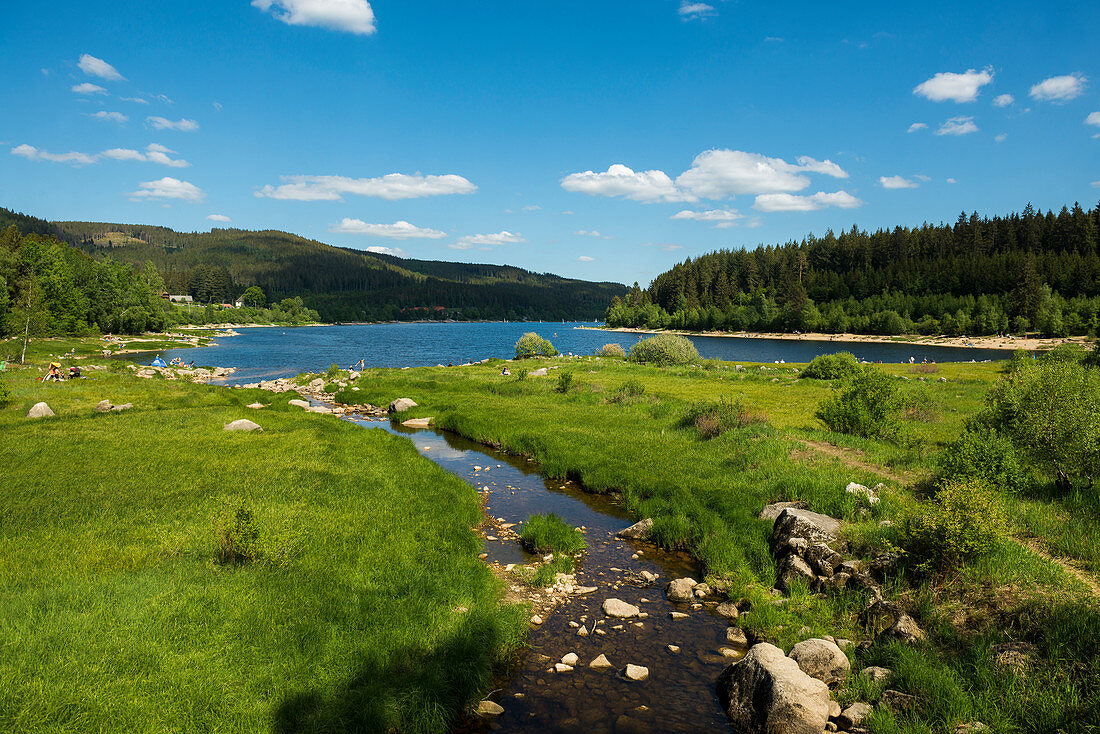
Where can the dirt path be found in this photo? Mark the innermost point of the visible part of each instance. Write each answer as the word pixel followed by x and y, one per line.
pixel 1066 565
pixel 853 458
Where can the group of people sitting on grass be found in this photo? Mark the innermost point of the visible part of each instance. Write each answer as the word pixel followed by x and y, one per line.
pixel 55 374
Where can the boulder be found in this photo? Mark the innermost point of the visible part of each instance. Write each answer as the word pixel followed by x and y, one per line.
pixel 418 422
pixel 571 659
pixel 401 405
pixel 897 701
pixel 736 636
pixel 875 674
pixel 812 526
pixel 883 564
pixel 619 608
pixel 103 406
pixel 637 531
pixel 822 559
pixel 862 493
pixel 727 609
pixel 636 672
pixel 298 403
pixel 766 693
pixel 771 512
pixel 540 372
pixel 319 409
pixel 489 708
pixel 791 568
pixel 904 628
pixel 681 589
pixel 256 406
pixel 242 425
pixel 821 659
pixel 855 714
pixel 40 410
pixel 120 408
pixel 316 384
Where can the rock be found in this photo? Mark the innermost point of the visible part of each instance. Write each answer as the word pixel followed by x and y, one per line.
pixel 489 708
pixel 314 384
pixel 680 589
pixel 103 406
pixel 319 409
pixel 619 609
pixel 1014 657
pixel 971 727
pixel 678 615
pixel 570 659
pixel 636 672
pixel 637 531
pixel 862 493
pixel 897 701
pixel 791 568
pixel 883 564
pixel 771 512
pixel 674 649
pixel 540 372
pixel 536 619
pixel 601 663
pixel 904 628
pixel 701 591
pixel 736 636
pixel 401 405
pixel 823 559
pixel 258 406
pixel 875 674
pixel 563 668
pixel 242 425
pixel 821 659
pixel 834 710
pixel 124 406
pixel 795 523
pixel 40 410
pixel 727 609
pixel 649 576
pixel 298 403
pixel 766 693
pixel 855 714
pixel 582 632
pixel 418 422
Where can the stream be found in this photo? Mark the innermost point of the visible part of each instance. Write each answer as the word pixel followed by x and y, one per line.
pixel 678 695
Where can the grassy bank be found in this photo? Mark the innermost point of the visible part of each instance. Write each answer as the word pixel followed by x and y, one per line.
pixel 365 609
pixel 633 430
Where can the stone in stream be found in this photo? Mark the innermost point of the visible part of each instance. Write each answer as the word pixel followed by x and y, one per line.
pixel 582 632
pixel 563 668
pixel 673 648
pixel 242 425
pixel 319 409
pixel 536 619
pixel 636 672
pixel 680 589
pixel 618 608
pixel 418 422
pixel 489 708
pixel 401 405
pixel 570 659
pixel 637 531
pixel 767 692
pixel 727 609
pixel 40 410
pixel 678 615
pixel 821 659
pixel 600 663
pixel 736 636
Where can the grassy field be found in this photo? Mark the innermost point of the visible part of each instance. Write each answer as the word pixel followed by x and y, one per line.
pixel 621 428
pixel 367 608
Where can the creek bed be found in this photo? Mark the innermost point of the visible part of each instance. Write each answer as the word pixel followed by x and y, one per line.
pixel 678 696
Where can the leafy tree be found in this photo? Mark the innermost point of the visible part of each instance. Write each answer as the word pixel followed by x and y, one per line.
pixel 532 345
pixel 254 297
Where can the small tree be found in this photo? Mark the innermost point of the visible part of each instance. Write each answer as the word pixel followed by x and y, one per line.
pixel 665 349
pixel 533 345
pixel 254 297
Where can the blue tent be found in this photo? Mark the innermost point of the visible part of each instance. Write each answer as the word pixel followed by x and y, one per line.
pixel 158 362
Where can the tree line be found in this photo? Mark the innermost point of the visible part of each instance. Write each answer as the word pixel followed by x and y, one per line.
pixel 1023 272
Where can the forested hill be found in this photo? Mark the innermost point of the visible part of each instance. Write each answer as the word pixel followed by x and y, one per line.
pixel 1025 271
pixel 341 284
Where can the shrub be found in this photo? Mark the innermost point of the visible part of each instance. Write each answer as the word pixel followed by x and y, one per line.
pixel 714 417
pixel 966 520
pixel 664 349
pixel 627 392
pixel 1064 353
pixel 533 345
pixel 832 366
pixel 869 406
pixel 238 537
pixel 612 351
pixel 550 534
pixel 6 397
pixel 333 371
pixel 982 453
pixel 565 382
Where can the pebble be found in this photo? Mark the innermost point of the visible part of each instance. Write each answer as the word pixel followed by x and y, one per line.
pixel 570 659
pixel 673 648
pixel 679 615
pixel 600 663
pixel 563 668
pixel 636 672
pixel 536 619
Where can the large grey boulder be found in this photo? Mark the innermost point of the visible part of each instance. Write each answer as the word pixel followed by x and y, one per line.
pixel 242 425
pixel 767 693
pixel 855 714
pixel 770 512
pixel 103 406
pixel 540 372
pixel 793 568
pixel 401 405
pixel 40 410
pixel 620 609
pixel 681 589
pixel 317 384
pixel 821 659
pixel 418 423
pixel 822 559
pixel 298 403
pixel 811 526
pixel 637 531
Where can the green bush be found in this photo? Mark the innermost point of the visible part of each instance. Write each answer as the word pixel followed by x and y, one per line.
pixel 333 371
pixel 837 366
pixel 714 417
pixel 984 454
pixel 664 349
pixel 869 406
pixel 965 521
pixel 565 382
pixel 612 351
pixel 628 392
pixel 238 537
pixel 550 534
pixel 1064 353
pixel 6 397
pixel 533 345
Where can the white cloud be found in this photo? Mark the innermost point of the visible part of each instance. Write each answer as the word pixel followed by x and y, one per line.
pixel 1093 119
pixel 392 187
pixel 139 100
pixel 88 88
pixel 1003 100
pixel 153 153
pixel 619 180
pixel 951 181
pixel 163 123
pixel 922 177
pixel 167 188
pixel 532 208
pixel 896 182
pixel 32 153
pixel 958 126
pixel 380 250
pixel 112 116
pixel 793 203
pixel 723 218
pixel 826 167
pixel 948 85
pixel 1059 88
pixel 353 16
pixel 98 67
pixel 1000 138
pixel 588 233
pixel 689 10
pixel 218 218
pixel 503 237
pixel 664 246
pixel 917 126
pixel 1095 184
pixel 399 230
pixel 585 259
pixel 217 106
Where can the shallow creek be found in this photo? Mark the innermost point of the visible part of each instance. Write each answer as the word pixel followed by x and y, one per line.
pixel 678 695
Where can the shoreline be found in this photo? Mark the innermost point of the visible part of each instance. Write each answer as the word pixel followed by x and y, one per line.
pixel 969 342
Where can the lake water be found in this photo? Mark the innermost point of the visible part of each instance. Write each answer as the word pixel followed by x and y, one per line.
pixel 266 353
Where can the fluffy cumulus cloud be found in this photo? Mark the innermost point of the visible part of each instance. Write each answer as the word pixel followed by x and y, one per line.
pixel 167 188
pixel 961 125
pixel 896 182
pixel 1003 100
pixel 32 153
pixel 111 116
pixel 392 187
pixel 588 233
pixel 722 218
pixel 793 203
pixel 1000 138
pixel 619 180
pixel 664 246
pixel 399 230
pixel 153 153
pixel 949 86
pixel 88 88
pixel 1093 119
pixel 219 218
pixel 689 10
pixel 503 237
pixel 163 123
pixel 92 66
pixel 1059 88
pixel 381 250
pixel 917 126
pixel 353 16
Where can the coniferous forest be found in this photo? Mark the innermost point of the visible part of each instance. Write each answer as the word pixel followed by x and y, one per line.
pixel 1023 272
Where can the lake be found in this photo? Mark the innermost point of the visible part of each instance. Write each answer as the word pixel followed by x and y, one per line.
pixel 266 353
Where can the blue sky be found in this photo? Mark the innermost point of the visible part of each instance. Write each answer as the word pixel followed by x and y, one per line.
pixel 601 140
